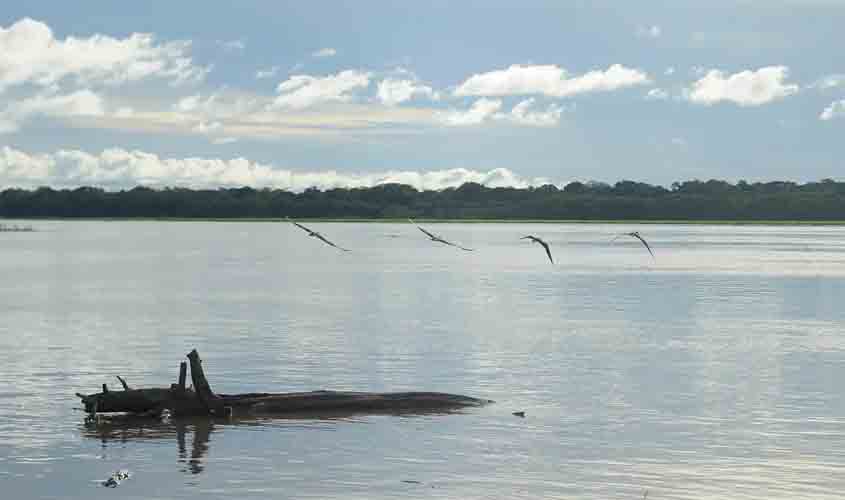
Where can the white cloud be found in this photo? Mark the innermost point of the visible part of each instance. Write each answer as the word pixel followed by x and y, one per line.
pixel 653 31
pixel 746 88
pixel 326 52
pixel 521 114
pixel 549 80
pixel 188 103
pixel 829 82
pixel 220 104
pixel 79 103
pixel 208 127
pixel 481 110
pixel 657 94
pixel 29 53
pixel 233 45
pixel 302 91
pixel 124 112
pixel 7 126
pixel 266 73
pixel 120 168
pixel 394 91
pixel 835 110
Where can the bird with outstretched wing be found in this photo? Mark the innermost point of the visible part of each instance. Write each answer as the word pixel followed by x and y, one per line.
pixel 635 234
pixel 317 235
pixel 438 239
pixel 542 243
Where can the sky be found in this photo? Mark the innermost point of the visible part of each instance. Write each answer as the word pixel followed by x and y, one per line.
pixel 292 95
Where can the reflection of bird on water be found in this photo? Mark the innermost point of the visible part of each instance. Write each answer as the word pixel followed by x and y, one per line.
pixel 317 235
pixel 541 242
pixel 636 235
pixel 438 239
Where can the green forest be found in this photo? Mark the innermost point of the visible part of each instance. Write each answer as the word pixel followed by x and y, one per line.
pixel 711 200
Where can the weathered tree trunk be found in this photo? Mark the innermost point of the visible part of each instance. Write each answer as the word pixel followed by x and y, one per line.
pixel 203 401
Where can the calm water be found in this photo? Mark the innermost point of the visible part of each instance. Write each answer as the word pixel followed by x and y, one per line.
pixel 714 372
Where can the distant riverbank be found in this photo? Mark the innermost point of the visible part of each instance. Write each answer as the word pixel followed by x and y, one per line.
pixel 442 221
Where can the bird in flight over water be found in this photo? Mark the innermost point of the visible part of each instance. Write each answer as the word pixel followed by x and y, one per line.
pixel 438 239
pixel 315 234
pixel 636 235
pixel 541 242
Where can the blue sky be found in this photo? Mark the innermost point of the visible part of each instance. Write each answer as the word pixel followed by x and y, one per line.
pixel 292 94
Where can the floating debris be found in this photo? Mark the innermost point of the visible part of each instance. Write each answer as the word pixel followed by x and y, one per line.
pixel 116 478
pixel 520 414
pixel 202 401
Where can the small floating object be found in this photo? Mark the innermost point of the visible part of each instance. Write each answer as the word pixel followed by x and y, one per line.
pixel 411 481
pixel 520 414
pixel 115 479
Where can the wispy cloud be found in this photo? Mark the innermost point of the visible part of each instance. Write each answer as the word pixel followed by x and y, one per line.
pixel 652 31
pixel 835 110
pixel 79 103
pixel 325 52
pixel 522 114
pixel 480 111
pixel 392 91
pixel 233 45
pixel 266 73
pixel 829 82
pixel 120 168
pixel 302 91
pixel 657 94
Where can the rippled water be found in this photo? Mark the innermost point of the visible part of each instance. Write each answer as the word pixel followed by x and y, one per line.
pixel 713 372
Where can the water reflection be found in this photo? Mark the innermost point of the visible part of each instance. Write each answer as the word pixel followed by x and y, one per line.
pixel 125 429
pixel 120 429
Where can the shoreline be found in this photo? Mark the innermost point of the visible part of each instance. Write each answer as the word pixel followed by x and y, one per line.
pixel 687 222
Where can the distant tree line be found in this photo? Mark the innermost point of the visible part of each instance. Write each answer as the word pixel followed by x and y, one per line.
pixel 625 200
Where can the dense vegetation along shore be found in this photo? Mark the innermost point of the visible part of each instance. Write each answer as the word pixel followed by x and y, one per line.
pixel 626 201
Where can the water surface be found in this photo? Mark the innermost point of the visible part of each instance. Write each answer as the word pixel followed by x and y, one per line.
pixel 713 371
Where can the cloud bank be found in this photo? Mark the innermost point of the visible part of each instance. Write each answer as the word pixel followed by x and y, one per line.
pixel 119 169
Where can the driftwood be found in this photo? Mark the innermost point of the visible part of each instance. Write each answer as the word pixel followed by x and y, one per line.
pixel 201 400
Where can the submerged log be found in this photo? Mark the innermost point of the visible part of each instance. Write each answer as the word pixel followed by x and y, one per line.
pixel 180 401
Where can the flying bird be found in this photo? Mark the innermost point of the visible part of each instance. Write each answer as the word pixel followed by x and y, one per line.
pixel 438 239
pixel 541 242
pixel 636 235
pixel 317 235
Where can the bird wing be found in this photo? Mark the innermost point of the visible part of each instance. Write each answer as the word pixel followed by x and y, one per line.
pixel 430 235
pixel 324 240
pixel 637 236
pixel 441 240
pixel 300 226
pixel 548 251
